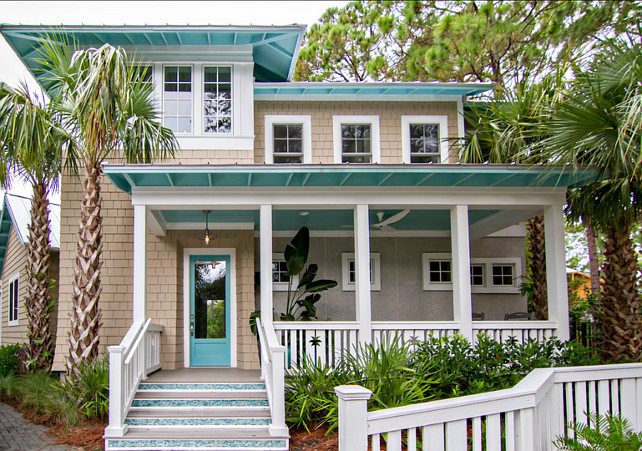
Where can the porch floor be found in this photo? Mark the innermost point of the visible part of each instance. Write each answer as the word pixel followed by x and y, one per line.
pixel 204 375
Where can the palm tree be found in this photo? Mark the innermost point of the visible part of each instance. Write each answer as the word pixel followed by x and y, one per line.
pixel 109 110
pixel 32 140
pixel 599 124
pixel 507 130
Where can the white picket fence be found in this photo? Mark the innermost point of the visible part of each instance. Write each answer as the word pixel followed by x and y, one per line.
pixel 327 342
pixel 529 416
pixel 137 356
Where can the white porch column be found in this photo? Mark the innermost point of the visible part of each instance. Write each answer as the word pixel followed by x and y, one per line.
pixel 265 238
pixel 556 270
pixel 140 263
pixel 460 242
pixel 362 273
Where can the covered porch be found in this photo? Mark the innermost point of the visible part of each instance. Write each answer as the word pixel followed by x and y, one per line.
pixel 450 207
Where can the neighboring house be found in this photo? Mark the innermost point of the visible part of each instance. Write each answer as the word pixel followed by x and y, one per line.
pixel 14 222
pixel 417 242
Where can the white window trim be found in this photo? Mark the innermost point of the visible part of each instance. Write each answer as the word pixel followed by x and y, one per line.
pixel 271 120
pixel 16 321
pixel 488 282
pixel 375 141
pixel 283 286
pixel 193 96
pixel 441 120
pixel 375 283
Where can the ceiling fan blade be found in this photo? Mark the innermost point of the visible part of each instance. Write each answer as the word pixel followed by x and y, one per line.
pixel 394 218
pixel 387 228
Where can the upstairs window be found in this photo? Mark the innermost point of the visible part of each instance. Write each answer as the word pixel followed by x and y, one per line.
pixel 217 99
pixel 13 301
pixel 288 139
pixel 177 99
pixel 424 139
pixel 288 143
pixel 356 139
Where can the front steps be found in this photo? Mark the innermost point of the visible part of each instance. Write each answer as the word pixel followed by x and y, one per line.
pixel 199 416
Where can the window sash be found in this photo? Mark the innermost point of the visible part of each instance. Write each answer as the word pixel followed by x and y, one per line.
pixel 503 275
pixel 177 98
pixel 356 143
pixel 287 143
pixel 13 301
pixel 217 99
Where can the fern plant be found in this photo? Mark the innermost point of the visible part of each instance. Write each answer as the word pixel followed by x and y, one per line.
pixel 603 433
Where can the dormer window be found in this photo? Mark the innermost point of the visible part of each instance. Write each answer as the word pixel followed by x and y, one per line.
pixel 217 99
pixel 177 99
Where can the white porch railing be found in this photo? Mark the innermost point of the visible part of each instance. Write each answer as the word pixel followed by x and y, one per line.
pixel 502 331
pixel 273 374
pixel 129 363
pixel 527 417
pixel 328 341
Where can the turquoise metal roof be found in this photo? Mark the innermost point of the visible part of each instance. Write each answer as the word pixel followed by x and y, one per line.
pixel 364 91
pixel 274 48
pixel 296 176
pixel 5 228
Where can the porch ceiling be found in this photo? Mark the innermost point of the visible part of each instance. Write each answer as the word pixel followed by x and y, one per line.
pixel 127 177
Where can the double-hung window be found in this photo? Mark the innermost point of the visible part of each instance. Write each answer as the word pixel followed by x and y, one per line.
pixel 356 139
pixel 217 99
pixel 288 139
pixel 349 271
pixel 424 139
pixel 177 99
pixel 13 301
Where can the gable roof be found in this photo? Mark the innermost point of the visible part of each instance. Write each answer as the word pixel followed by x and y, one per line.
pixel 274 48
pixel 16 211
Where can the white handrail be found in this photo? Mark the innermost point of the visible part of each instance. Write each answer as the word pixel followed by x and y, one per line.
pixel 529 416
pixel 273 373
pixel 130 362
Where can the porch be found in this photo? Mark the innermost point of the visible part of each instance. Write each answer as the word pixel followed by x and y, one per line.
pixel 454 206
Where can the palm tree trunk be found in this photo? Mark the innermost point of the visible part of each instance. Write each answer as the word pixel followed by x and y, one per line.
pixel 86 318
pixel 594 264
pixel 537 266
pixel 38 302
pixel 620 302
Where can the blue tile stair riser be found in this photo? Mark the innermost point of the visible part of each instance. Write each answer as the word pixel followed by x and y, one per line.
pixel 182 444
pixel 200 403
pixel 201 387
pixel 198 421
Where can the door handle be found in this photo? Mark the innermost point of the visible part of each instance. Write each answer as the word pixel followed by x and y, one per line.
pixel 191 328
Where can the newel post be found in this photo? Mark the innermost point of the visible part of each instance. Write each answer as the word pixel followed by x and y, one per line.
pixel 353 417
pixel 117 427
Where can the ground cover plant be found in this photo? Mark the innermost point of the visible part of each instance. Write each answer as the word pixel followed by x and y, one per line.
pixel 439 368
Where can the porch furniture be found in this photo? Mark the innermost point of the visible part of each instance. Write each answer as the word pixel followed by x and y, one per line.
pixel 478 316
pixel 523 316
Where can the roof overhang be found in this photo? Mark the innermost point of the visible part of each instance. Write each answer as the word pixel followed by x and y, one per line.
pixel 367 91
pixel 274 48
pixel 128 177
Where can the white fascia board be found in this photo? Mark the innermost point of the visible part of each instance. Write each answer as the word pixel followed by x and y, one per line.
pixel 179 198
pixel 356 97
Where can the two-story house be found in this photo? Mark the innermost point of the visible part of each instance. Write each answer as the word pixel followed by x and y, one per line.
pixel 418 243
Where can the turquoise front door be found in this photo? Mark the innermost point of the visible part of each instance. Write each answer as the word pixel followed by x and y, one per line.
pixel 209 319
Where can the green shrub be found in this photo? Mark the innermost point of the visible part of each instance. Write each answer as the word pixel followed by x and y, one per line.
pixel 604 433
pixel 9 359
pixel 89 389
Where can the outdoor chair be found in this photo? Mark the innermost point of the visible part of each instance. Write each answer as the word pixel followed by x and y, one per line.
pixel 478 316
pixel 518 316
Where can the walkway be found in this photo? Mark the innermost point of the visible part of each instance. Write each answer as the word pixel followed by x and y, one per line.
pixel 18 433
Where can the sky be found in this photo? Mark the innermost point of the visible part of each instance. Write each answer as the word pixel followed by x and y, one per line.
pixel 140 13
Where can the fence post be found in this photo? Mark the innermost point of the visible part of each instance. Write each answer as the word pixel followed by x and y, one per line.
pixel 278 426
pixel 353 417
pixel 117 427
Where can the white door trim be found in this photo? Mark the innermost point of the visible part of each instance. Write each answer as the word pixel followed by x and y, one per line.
pixel 187 253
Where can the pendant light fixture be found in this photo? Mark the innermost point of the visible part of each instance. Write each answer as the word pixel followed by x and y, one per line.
pixel 207 236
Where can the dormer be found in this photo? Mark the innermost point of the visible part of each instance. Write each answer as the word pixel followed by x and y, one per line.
pixel 203 75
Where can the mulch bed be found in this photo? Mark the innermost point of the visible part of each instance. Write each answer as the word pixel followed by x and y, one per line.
pixel 316 440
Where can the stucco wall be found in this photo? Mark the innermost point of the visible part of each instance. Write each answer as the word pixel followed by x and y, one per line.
pixel 322 132
pixel 402 297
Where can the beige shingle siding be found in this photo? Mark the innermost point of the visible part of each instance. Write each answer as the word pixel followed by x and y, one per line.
pixel 14 263
pixel 165 276
pixel 322 134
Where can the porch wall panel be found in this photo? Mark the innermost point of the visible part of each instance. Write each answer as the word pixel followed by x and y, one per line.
pixel 321 114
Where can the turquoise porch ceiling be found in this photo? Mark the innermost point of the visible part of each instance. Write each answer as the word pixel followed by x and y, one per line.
pixel 324 220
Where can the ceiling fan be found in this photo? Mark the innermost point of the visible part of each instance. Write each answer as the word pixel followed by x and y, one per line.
pixel 386 225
